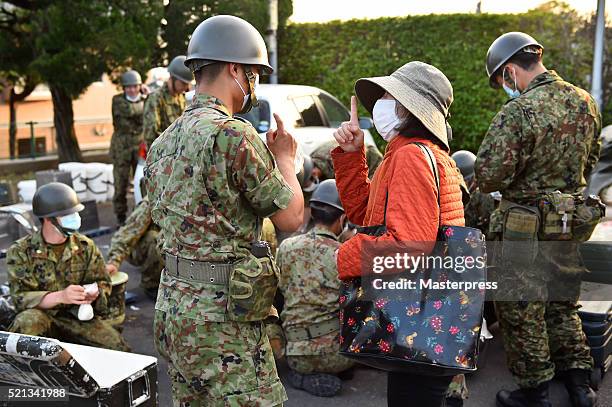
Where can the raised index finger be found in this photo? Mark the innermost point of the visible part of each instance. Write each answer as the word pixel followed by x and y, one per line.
pixel 354 115
pixel 280 127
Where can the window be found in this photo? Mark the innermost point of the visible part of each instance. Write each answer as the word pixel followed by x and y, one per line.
pixel 259 116
pixel 309 112
pixel 336 112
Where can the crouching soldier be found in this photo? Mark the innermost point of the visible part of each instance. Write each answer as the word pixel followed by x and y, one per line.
pixel 47 271
pixel 136 241
pixel 310 285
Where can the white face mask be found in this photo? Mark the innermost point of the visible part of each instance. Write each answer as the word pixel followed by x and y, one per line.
pixel 385 119
pixel 247 96
pixel 70 223
pixel 133 99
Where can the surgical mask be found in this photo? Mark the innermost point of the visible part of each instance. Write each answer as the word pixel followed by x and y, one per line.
pixel 249 99
pixel 385 118
pixel 70 223
pixel 133 99
pixel 512 93
pixel 314 183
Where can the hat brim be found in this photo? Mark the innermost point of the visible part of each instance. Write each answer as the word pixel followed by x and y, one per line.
pixel 369 90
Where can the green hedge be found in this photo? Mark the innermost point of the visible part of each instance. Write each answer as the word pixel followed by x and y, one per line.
pixel 333 55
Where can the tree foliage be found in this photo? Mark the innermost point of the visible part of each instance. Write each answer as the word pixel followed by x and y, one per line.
pixel 181 17
pixel 69 45
pixel 335 54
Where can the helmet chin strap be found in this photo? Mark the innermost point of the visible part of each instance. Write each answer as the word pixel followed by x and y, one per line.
pixel 65 232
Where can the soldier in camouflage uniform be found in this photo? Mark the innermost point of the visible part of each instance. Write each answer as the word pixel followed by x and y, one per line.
pixel 310 285
pixel 47 271
pixel 480 206
pixel 544 139
pixel 166 104
pixel 136 241
pixel 127 136
pixel 324 167
pixel 211 180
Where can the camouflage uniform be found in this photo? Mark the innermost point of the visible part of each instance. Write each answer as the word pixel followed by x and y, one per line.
pixel 211 180
pixel 34 271
pixel 127 135
pixel 321 158
pixel 137 242
pixel 160 110
pixel 542 141
pixel 310 285
pixel 478 211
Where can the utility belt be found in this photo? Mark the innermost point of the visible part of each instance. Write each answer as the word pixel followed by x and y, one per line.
pixel 312 331
pixel 200 271
pixel 553 216
pixel 250 282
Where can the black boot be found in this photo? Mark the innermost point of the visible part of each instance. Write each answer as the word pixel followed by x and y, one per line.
pixel 532 397
pixel 577 383
pixel 317 384
pixel 454 402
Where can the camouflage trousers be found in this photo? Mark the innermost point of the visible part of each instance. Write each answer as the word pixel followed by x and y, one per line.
pixel 146 255
pixel 124 164
pixel 218 363
pixel 97 332
pixel 541 338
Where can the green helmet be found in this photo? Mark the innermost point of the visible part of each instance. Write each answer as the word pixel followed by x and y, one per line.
pixel 226 39
pixel 465 161
pixel 54 200
pixel 327 194
pixel 178 70
pixel 130 78
pixel 306 171
pixel 504 48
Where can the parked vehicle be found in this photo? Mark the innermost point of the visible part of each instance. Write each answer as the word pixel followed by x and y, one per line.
pixel 310 114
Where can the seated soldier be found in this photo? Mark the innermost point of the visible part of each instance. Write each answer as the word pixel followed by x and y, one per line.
pixel 47 271
pixel 480 207
pixel 136 241
pixel 310 286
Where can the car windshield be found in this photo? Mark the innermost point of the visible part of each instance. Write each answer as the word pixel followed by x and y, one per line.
pixel 259 116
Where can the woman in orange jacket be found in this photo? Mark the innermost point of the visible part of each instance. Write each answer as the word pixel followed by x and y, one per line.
pixel 409 106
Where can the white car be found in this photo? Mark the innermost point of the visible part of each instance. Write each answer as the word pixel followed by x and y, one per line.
pixel 310 114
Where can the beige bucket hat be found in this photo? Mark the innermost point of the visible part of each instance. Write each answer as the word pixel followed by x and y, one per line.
pixel 421 88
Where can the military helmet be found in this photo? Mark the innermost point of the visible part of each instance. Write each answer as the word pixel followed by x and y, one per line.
pixel 178 70
pixel 327 194
pixel 226 38
pixel 130 78
pixel 465 161
pixel 503 48
pixel 306 171
pixel 54 200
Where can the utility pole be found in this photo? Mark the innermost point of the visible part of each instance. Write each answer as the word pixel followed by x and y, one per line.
pixel 598 54
pixel 271 34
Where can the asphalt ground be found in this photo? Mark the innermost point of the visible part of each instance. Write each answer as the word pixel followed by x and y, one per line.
pixel 367 387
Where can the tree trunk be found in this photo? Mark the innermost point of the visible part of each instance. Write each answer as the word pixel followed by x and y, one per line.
pixel 63 120
pixel 12 123
pixel 13 99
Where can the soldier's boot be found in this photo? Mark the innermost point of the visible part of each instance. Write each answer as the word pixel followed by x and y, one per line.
pixel 528 397
pixel 454 402
pixel 577 383
pixel 317 384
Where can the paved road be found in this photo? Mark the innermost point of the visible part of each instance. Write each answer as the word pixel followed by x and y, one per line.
pixel 366 389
